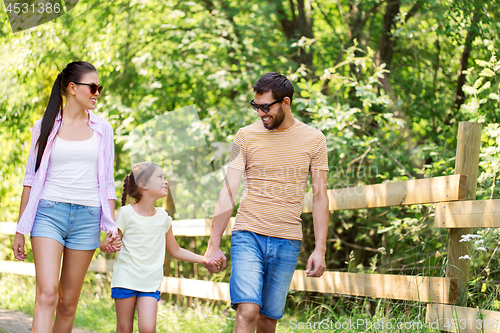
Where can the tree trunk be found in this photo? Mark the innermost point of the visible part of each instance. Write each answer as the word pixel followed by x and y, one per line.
pixel 298 26
pixel 305 24
pixel 387 43
pixel 471 35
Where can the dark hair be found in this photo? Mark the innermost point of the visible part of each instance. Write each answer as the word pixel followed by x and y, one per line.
pixel 141 172
pixel 72 73
pixel 277 83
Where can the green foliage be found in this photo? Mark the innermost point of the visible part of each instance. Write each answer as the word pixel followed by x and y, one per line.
pixel 384 122
pixel 483 89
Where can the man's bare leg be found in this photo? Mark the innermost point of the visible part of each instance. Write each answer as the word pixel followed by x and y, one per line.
pixel 266 324
pixel 247 315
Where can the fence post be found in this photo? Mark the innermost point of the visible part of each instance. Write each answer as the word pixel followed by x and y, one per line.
pixel 466 163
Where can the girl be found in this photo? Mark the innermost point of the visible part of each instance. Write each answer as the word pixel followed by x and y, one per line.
pixel 138 268
pixel 68 195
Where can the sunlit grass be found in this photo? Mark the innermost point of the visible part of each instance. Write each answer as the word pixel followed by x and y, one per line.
pixel 96 308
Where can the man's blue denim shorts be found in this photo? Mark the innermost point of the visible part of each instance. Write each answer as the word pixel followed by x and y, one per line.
pixel 118 292
pixel 262 268
pixel 76 227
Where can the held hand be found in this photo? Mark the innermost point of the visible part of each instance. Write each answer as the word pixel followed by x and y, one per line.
pixel 18 247
pixel 214 259
pixel 112 243
pixel 317 263
pixel 116 242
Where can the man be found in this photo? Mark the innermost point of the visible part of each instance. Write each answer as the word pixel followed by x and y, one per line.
pixel 276 154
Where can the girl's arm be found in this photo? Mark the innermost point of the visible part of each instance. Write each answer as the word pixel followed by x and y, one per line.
pixel 180 253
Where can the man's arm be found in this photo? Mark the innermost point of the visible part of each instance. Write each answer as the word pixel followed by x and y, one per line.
pixel 222 214
pixel 316 261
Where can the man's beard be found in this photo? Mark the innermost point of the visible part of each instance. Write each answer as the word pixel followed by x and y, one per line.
pixel 276 120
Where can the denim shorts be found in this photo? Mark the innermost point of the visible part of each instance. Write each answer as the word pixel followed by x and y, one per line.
pixel 76 227
pixel 118 292
pixel 262 268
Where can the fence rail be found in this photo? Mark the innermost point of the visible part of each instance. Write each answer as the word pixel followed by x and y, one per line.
pixel 468 214
pixel 400 287
pixel 452 212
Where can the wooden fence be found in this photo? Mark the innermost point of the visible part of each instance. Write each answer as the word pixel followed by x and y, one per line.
pixel 456 210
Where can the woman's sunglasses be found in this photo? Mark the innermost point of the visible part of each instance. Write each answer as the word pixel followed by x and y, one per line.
pixel 93 87
pixel 264 107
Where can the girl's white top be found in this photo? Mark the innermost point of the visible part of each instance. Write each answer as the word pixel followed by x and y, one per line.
pixel 72 172
pixel 139 264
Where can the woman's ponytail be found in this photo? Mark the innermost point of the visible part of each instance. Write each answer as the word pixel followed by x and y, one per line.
pixel 73 72
pixel 49 117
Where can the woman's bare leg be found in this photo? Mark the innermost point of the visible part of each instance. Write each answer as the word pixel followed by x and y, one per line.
pixel 47 255
pixel 75 265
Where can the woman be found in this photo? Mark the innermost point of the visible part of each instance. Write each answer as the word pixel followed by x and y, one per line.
pixel 68 195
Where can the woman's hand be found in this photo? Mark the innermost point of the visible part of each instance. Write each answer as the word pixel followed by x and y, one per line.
pixel 112 243
pixel 18 247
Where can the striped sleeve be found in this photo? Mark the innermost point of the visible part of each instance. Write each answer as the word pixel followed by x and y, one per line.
pixel 238 156
pixel 109 162
pixel 319 160
pixel 29 177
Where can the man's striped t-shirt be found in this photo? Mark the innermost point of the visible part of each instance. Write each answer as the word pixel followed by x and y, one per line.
pixel 276 165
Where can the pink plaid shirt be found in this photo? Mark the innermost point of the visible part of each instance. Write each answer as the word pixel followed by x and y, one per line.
pixel 105 175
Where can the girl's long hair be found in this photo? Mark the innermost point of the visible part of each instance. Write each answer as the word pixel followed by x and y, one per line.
pixel 141 172
pixel 72 73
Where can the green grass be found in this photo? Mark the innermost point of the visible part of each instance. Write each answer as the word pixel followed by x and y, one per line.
pixel 96 308
pixel 96 311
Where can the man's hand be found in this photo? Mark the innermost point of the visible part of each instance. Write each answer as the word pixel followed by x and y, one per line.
pixel 317 263
pixel 214 259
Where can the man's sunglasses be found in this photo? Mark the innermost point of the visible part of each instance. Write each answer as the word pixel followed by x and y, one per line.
pixel 93 87
pixel 264 107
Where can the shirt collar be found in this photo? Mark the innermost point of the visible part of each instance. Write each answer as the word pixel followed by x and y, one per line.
pixel 59 116
pixel 92 119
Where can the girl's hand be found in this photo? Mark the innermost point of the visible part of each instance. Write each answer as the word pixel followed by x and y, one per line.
pixel 112 243
pixel 218 264
pixel 116 243
pixel 18 247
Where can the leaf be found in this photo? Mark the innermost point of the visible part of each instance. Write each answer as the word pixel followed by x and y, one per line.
pixel 478 82
pixel 494 96
pixel 486 86
pixel 487 72
pixel 481 63
pixel 469 90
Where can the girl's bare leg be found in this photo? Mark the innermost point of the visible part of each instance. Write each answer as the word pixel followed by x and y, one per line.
pixel 146 314
pixel 125 310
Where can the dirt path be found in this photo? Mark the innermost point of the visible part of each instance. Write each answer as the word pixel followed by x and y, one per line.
pixel 18 322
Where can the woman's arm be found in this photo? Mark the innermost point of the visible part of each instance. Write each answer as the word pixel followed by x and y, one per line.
pixel 112 206
pixel 18 245
pixel 180 253
pixel 24 200
pixel 29 178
